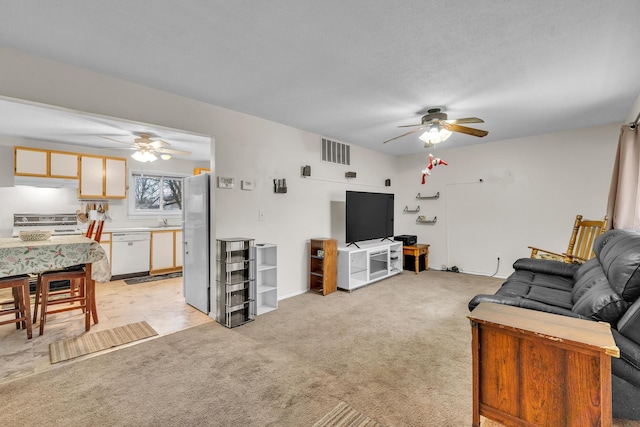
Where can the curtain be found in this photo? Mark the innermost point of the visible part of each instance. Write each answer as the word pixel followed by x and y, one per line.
pixel 623 207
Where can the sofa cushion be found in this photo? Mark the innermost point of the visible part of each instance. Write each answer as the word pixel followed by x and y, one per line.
pixel 551 296
pixel 601 302
pixel 619 254
pixel 528 278
pixel 586 276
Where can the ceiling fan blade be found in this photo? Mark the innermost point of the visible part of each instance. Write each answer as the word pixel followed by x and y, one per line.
pixel 465 120
pixel 408 126
pixel 404 134
pixel 176 152
pixel 115 140
pixel 464 129
pixel 158 143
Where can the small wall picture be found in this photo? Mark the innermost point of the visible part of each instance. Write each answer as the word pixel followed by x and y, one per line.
pixel 225 182
pixel 246 185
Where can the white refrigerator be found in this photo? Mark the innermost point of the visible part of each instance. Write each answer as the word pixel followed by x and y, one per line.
pixel 196 230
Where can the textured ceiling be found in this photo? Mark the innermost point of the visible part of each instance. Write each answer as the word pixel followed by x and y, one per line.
pixel 355 70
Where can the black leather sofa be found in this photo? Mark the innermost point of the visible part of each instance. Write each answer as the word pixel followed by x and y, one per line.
pixel 605 288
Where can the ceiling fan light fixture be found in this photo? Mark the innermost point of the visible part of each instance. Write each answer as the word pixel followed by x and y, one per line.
pixel 165 156
pixel 144 156
pixel 435 134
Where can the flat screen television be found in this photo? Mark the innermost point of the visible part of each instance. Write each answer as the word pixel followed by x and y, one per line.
pixel 368 216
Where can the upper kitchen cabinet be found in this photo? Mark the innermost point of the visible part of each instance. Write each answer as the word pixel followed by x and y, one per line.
pixel 102 177
pixel 45 163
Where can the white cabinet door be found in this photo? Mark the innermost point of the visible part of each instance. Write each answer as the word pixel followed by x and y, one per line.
pixel 31 162
pixel 91 177
pixel 63 165
pixel 115 175
pixel 178 248
pixel 162 248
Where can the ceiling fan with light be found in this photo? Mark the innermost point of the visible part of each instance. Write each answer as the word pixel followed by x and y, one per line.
pixel 148 150
pixel 437 127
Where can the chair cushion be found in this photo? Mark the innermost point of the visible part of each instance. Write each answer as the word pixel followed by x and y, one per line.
pixel 619 254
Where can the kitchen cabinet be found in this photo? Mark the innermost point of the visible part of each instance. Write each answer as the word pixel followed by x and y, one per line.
pixel 166 251
pixel 102 177
pixel 45 163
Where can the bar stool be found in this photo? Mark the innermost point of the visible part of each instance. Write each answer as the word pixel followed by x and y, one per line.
pixel 75 297
pixel 22 312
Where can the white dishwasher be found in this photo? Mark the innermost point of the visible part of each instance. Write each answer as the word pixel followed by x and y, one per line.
pixel 130 252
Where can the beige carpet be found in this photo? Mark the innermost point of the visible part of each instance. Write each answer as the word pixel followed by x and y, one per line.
pixel 344 415
pixel 92 342
pixel 398 352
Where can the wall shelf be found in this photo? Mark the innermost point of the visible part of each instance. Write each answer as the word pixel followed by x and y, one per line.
pixel 435 196
pixel 422 220
pixel 407 210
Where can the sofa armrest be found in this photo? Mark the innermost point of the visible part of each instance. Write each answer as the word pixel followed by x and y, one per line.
pixel 546 266
pixel 629 350
pixel 629 324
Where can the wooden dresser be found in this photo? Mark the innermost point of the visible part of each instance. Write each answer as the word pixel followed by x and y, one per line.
pixel 532 368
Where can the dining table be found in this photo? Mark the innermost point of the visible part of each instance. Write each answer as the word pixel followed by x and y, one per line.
pixel 55 253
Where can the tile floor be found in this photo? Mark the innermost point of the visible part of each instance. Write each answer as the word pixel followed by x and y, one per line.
pixel 159 303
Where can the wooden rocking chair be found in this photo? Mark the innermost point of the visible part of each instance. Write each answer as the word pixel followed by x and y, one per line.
pixel 580 247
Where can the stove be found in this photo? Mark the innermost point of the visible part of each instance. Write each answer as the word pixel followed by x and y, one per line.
pixel 58 224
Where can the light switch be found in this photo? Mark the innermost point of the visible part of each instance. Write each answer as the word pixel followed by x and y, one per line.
pixel 261 215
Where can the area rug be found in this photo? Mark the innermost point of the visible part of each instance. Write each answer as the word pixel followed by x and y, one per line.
pixel 144 279
pixel 90 343
pixel 344 415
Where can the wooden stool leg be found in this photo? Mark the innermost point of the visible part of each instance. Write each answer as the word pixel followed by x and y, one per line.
pixel 88 298
pixel 17 305
pixel 26 307
pixel 37 298
pixel 44 297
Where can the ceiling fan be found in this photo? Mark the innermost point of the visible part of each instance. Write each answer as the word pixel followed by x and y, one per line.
pixel 148 150
pixel 437 127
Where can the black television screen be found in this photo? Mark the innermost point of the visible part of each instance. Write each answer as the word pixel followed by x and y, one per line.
pixel 368 216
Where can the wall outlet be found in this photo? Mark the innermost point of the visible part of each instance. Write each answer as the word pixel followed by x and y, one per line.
pixel 498 255
pixel 261 215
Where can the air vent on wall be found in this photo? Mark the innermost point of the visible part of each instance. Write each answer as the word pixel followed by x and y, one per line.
pixel 335 152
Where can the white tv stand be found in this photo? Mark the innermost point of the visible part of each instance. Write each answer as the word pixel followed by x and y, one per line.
pixel 373 260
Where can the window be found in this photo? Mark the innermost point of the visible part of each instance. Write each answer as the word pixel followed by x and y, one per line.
pixel 155 194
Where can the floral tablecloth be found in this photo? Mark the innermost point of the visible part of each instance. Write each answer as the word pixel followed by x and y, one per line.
pixel 18 257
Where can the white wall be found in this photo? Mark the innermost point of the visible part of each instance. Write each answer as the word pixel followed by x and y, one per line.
pixel 532 190
pixel 245 147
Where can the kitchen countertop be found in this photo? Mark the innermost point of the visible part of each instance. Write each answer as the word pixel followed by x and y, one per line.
pixel 116 229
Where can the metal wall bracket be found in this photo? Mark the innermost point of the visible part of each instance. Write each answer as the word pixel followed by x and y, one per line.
pixel 407 210
pixel 422 220
pixel 435 196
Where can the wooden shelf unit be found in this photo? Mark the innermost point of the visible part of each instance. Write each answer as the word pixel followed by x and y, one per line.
pixel 322 265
